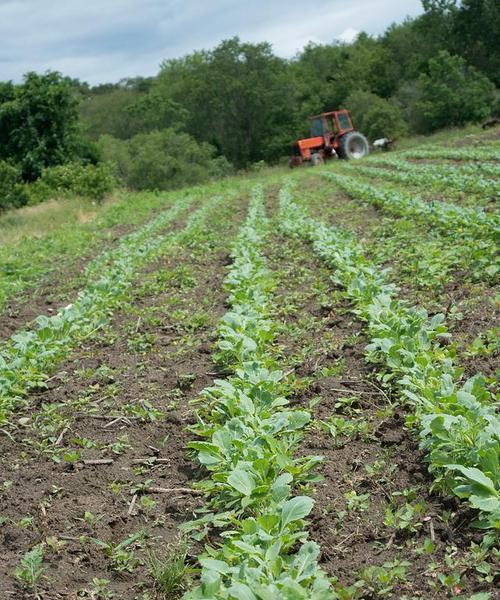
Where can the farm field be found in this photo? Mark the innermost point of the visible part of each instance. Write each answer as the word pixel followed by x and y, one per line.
pixel 279 385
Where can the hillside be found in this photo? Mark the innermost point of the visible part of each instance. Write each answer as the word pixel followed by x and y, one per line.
pixel 284 378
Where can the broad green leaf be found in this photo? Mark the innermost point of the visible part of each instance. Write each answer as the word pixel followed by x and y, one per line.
pixel 489 504
pixel 281 488
pixel 476 476
pixel 240 591
pixel 210 584
pixel 242 481
pixel 305 560
pixel 295 509
pixel 219 566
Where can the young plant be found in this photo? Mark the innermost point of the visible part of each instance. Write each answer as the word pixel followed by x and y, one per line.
pixel 31 569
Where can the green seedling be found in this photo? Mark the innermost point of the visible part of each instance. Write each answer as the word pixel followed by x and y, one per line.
pixel 121 556
pixel 357 502
pixel 31 569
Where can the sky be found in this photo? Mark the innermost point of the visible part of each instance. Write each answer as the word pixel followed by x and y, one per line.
pixel 106 40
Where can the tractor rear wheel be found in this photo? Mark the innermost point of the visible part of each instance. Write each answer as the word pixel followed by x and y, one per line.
pixel 353 145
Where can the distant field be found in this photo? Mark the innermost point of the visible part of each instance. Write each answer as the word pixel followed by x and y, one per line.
pixel 279 385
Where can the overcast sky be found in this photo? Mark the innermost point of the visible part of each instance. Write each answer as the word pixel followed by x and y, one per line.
pixel 106 40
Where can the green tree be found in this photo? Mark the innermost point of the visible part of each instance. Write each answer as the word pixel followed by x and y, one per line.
pixel 452 93
pixel 162 160
pixel 238 97
pixel 476 30
pixel 374 116
pixel 109 112
pixel 38 123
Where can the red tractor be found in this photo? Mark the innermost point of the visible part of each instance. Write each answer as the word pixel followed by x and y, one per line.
pixel 332 134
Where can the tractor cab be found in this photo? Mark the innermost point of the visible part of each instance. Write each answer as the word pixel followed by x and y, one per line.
pixel 331 124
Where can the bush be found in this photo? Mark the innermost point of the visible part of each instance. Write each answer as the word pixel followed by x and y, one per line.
pixel 114 152
pixel 162 160
pixel 374 116
pixel 452 93
pixel 12 192
pixel 72 179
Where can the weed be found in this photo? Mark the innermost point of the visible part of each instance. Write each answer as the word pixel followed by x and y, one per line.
pixel 169 571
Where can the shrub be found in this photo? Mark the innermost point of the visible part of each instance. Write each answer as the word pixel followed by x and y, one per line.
pixel 162 160
pixel 73 179
pixel 374 116
pixel 452 93
pixel 114 152
pixel 12 192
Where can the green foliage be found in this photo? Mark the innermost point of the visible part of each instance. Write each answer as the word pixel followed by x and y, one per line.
pixel 162 160
pixel 109 113
pixel 72 179
pixel 470 28
pixel 170 571
pixel 375 116
pixel 115 154
pixel 12 192
pixel 237 97
pixel 479 179
pixel 31 569
pixel 38 123
pixel 248 436
pixel 452 93
pixel 28 356
pixel 457 421
pixel 476 227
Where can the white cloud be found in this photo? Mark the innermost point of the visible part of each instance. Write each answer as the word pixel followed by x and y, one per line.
pixel 348 35
pixel 105 40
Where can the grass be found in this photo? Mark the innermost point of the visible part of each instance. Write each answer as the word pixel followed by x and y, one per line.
pixel 43 219
pixel 170 571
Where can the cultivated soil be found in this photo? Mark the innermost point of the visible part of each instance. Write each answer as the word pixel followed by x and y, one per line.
pixel 158 350
pixel 381 460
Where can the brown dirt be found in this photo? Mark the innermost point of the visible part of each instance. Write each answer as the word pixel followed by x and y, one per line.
pixel 351 540
pixel 111 372
pixel 480 313
pixel 53 290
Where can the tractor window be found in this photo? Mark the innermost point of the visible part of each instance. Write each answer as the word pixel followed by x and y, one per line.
pixel 316 127
pixel 344 121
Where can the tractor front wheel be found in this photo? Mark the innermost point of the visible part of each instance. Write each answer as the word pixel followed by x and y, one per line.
pixel 353 145
pixel 316 159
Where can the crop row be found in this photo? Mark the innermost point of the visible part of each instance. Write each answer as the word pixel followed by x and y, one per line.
pixel 28 356
pixel 445 216
pixel 438 176
pixel 480 230
pixel 457 422
pixel 25 262
pixel 479 169
pixel 247 436
pixel 465 154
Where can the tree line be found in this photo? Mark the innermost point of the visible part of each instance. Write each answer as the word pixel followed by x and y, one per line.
pixel 238 103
